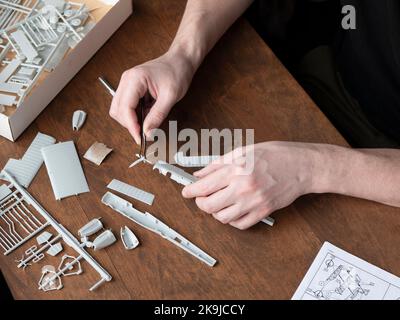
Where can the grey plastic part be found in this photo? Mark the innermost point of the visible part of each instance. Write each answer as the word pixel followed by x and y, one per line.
pixel 129 239
pixel 131 191
pixel 104 240
pixel 148 221
pixel 269 221
pixel 176 174
pixel 55 249
pixel 194 161
pixel 65 170
pixel 69 239
pixel 97 153
pixel 78 120
pixel 5 191
pixel 25 170
pixel 90 228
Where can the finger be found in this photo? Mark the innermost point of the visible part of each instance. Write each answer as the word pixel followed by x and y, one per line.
pixel 250 219
pixel 128 94
pixel 230 214
pixel 157 114
pixel 207 185
pixel 217 201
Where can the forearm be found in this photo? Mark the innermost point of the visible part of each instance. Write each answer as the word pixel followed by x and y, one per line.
pixel 372 174
pixel 203 23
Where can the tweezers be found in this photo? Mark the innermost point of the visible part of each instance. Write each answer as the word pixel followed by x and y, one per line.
pixel 143 141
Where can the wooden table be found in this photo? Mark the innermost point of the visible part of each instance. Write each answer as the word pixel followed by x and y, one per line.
pixel 240 85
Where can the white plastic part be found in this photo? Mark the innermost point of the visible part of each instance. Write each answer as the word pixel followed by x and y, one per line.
pixel 65 170
pixel 97 153
pixel 25 170
pixel 90 228
pixel 194 161
pixel 148 221
pixel 176 174
pixel 131 191
pixel 78 120
pixel 104 240
pixel 129 239
pixel 69 239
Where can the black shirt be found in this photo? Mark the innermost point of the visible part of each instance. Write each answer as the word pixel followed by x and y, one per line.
pixel 369 62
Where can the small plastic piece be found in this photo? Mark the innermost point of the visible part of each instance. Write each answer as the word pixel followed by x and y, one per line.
pixel 269 221
pixel 97 153
pixel 104 240
pixel 129 239
pixel 78 119
pixel 90 228
pixel 50 281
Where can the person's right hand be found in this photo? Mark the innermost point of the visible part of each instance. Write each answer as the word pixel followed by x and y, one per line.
pixel 166 79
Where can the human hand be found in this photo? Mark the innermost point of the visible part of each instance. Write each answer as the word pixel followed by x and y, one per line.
pixel 166 79
pixel 282 172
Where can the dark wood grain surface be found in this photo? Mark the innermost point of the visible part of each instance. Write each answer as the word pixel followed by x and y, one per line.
pixel 240 85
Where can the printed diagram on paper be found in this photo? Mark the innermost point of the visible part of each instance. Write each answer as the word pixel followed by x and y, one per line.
pixel 338 275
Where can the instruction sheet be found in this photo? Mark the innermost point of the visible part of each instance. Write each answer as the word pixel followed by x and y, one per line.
pixel 338 275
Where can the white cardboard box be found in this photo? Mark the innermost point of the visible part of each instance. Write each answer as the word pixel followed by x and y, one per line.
pixel 11 127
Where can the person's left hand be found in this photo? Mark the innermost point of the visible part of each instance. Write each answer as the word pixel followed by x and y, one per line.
pixel 282 172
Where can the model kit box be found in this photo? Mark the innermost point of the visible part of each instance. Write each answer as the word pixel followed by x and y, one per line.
pixel 43 44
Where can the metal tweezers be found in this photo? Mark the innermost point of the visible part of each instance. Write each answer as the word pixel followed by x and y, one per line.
pixel 143 141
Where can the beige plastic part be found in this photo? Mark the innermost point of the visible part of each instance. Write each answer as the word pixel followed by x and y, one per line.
pixel 97 153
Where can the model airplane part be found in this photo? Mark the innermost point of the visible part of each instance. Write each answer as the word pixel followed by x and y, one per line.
pixel 129 239
pixel 54 249
pixel 68 238
pixel 18 223
pixel 78 120
pixel 194 161
pixel 4 191
pixel 97 153
pixel 131 191
pixel 269 221
pixel 176 174
pixel 90 228
pixel 48 281
pixel 65 170
pixel 104 240
pixel 25 169
pixel 148 221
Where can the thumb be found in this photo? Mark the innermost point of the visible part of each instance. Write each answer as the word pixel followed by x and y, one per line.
pixel 157 114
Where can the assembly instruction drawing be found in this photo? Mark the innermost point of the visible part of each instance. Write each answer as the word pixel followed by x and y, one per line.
pixel 129 239
pixel 25 170
pixel 176 174
pixel 131 191
pixel 97 153
pixel 148 221
pixel 64 170
pixel 18 216
pixel 338 275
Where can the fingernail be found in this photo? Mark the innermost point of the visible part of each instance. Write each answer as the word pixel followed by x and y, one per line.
pixel 184 193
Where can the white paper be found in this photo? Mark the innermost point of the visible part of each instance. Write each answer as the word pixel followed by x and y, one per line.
pixel 338 275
